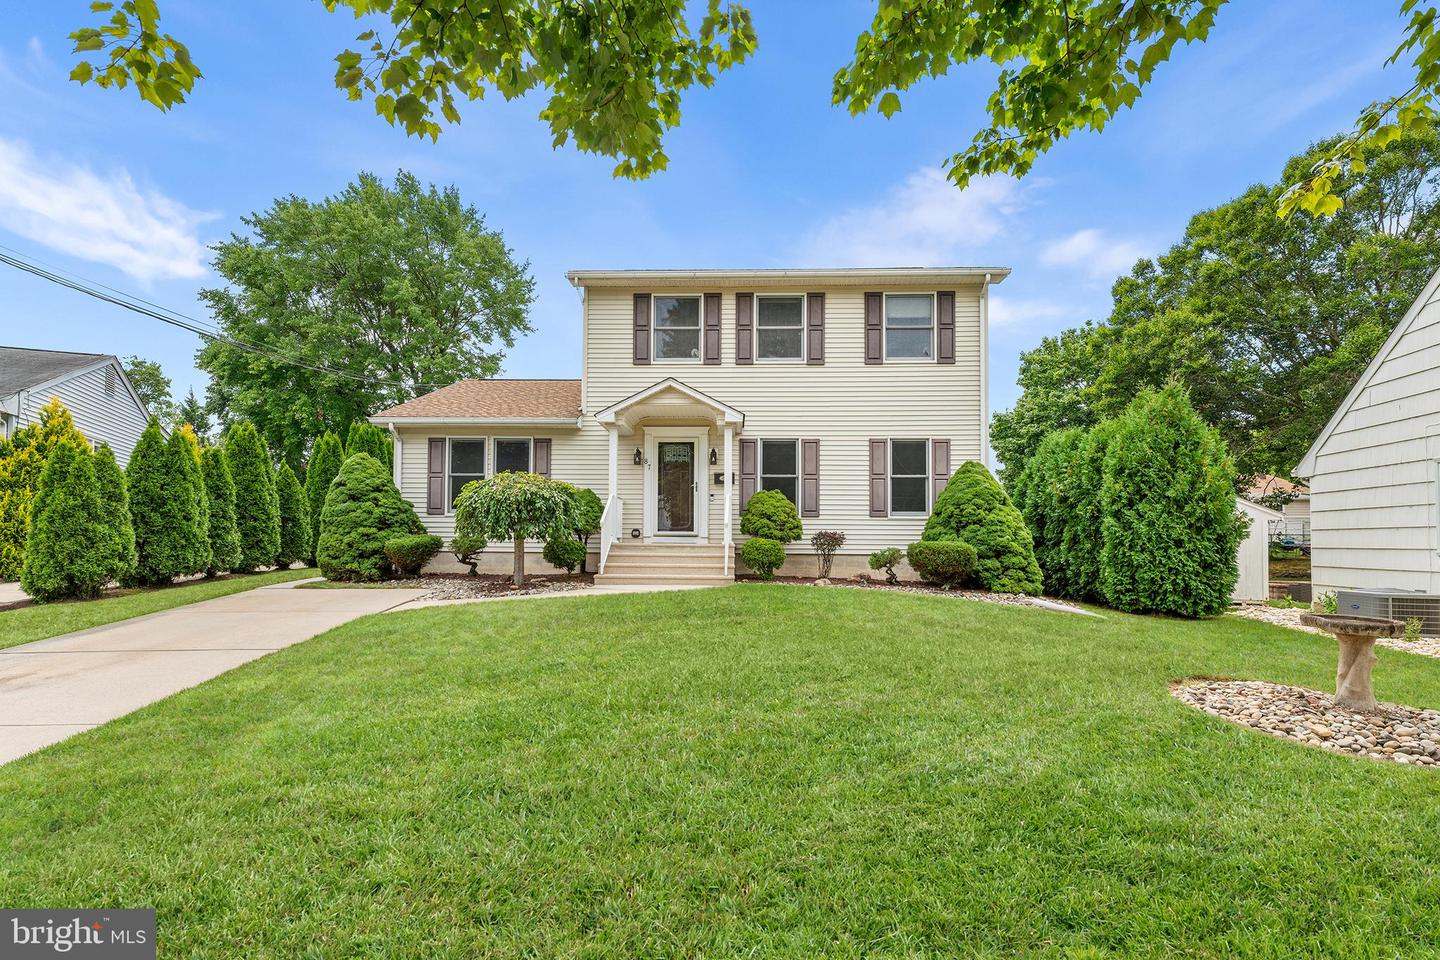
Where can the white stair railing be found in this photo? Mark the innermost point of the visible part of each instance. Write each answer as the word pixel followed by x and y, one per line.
pixel 610 528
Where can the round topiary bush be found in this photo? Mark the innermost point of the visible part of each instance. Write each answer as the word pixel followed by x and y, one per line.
pixel 769 514
pixel 224 538
pixel 409 554
pixel 948 563
pixel 294 514
pixel 257 509
pixel 363 512
pixel 763 555
pixel 564 553
pixel 68 553
pixel 974 508
pixel 886 560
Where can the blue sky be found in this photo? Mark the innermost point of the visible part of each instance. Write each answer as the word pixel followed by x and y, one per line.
pixel 763 171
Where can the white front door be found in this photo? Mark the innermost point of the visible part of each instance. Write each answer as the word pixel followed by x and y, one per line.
pixel 677 489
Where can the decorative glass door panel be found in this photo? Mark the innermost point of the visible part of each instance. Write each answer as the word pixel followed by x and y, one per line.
pixel 675 487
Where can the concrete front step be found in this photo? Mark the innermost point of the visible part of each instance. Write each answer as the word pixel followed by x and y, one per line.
pixel 680 564
pixel 660 577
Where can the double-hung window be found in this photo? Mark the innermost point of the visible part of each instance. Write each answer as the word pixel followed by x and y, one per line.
pixel 779 468
pixel 909 326
pixel 512 455
pixel 677 328
pixel 467 462
pixel 909 476
pixel 779 327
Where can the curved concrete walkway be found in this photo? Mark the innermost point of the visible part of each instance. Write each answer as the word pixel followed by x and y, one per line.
pixel 53 689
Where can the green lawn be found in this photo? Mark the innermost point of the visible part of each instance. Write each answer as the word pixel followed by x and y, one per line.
pixel 755 771
pixel 37 622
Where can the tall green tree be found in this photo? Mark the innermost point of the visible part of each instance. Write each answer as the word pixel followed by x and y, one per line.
pixel 152 386
pixel 22 459
pixel 162 508
pixel 69 552
pixel 615 70
pixel 257 509
pixel 325 460
pixel 193 412
pixel 428 295
pixel 1267 322
pixel 185 448
pixel 368 438
pixel 220 490
pixel 115 511
pixel 294 514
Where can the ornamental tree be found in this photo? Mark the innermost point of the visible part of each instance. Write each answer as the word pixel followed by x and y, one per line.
pixel 220 489
pixel 363 511
pixel 973 507
pixel 69 553
pixel 115 511
pixel 294 518
pixel 257 509
pixel 517 507
pixel 325 460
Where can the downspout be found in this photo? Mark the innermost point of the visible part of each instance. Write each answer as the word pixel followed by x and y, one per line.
pixel 985 372
pixel 397 451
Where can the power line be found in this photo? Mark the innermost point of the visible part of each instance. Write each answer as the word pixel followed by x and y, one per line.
pixel 13 258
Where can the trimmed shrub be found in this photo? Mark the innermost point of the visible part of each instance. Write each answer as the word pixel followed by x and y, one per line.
pixel 886 560
pixel 1081 541
pixel 220 489
pixel 566 553
pixel 467 550
pixel 162 510
pixel 1044 494
pixel 69 552
pixel 409 554
pixel 769 514
pixel 368 438
pixel 115 510
pixel 294 518
pixel 948 563
pixel 1170 528
pixel 185 451
pixel 974 508
pixel 21 462
pixel 826 542
pixel 363 512
pixel 763 555
pixel 517 507
pixel 325 460
pixel 257 508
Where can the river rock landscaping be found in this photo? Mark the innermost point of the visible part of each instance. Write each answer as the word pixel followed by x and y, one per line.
pixel 1397 733
pixel 1290 617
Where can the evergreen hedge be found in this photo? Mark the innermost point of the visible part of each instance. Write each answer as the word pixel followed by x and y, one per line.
pixel 368 438
pixel 185 450
pixel 409 554
pixel 115 513
pixel 1170 529
pixel 763 554
pixel 362 512
pixel 257 509
pixel 22 459
pixel 974 508
pixel 1044 494
pixel 294 518
pixel 1083 536
pixel 325 460
pixel 69 553
pixel 162 510
pixel 220 491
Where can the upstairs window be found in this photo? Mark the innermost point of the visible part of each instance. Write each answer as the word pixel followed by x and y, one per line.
pixel 467 462
pixel 909 476
pixel 909 326
pixel 779 468
pixel 512 456
pixel 780 328
pixel 677 328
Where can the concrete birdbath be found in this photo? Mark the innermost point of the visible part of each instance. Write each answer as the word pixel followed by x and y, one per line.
pixel 1356 637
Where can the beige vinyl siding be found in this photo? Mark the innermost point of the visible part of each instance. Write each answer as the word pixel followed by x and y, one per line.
pixel 1373 516
pixel 110 416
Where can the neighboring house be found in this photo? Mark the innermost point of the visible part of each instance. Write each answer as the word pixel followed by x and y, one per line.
pixel 1295 513
pixel 855 392
pixel 92 385
pixel 1374 471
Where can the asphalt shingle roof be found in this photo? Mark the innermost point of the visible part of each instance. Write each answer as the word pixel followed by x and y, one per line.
pixel 22 367
pixel 495 400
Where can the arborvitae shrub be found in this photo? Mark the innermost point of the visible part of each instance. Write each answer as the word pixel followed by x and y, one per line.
pixel 763 555
pixel 771 515
pixel 21 462
pixel 409 554
pixel 185 450
pixel 948 563
pixel 974 508
pixel 1081 541
pixel 565 553
pixel 294 518
pixel 368 438
pixel 115 510
pixel 1045 495
pixel 220 490
pixel 69 553
pixel 257 509
pixel 1170 528
pixel 363 511
pixel 162 510
pixel 325 459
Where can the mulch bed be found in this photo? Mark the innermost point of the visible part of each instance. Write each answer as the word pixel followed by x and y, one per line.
pixel 462 586
pixel 1397 733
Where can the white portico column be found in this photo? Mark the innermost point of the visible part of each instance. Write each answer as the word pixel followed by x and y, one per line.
pixel 612 477
pixel 729 487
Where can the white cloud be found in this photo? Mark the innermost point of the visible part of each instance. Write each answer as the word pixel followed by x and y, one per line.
pixel 102 217
pixel 1093 251
pixel 923 222
pixel 1019 312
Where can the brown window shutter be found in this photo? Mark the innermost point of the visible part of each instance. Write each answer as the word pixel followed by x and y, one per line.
pixel 939 468
pixel 541 453
pixel 744 328
pixel 749 470
pixel 815 328
pixel 945 326
pixel 712 328
pixel 879 478
pixel 874 329
pixel 809 478
pixel 435 477
pixel 642 328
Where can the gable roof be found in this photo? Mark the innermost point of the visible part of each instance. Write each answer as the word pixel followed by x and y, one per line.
pixel 1265 484
pixel 22 367
pixel 1306 467
pixel 504 400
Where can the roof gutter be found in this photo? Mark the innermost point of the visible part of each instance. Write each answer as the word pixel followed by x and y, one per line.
pixel 393 422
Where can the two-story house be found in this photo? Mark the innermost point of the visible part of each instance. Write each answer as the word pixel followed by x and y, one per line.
pixel 855 392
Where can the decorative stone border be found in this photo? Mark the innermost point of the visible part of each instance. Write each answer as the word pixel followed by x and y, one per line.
pixel 1396 733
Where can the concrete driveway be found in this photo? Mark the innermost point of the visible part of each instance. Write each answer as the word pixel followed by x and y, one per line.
pixel 55 688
